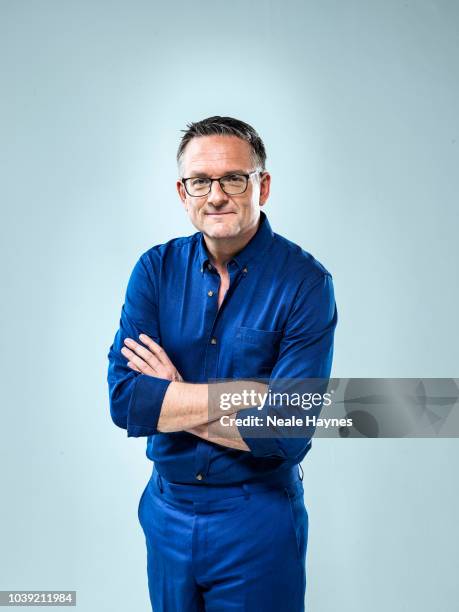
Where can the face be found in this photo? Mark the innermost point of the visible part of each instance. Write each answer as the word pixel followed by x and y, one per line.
pixel 217 215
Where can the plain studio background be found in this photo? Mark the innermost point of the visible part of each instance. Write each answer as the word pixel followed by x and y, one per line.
pixel 357 103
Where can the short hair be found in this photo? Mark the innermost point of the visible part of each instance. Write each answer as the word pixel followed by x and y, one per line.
pixel 224 126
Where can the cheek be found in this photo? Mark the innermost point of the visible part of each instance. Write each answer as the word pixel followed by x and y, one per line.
pixel 248 208
pixel 193 208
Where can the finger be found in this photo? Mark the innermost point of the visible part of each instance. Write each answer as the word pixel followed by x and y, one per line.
pixel 144 367
pixel 157 349
pixel 133 366
pixel 143 352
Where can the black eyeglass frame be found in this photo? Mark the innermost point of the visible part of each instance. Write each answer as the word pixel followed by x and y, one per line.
pixel 246 176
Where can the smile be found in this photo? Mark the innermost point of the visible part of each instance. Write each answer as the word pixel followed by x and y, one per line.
pixel 220 214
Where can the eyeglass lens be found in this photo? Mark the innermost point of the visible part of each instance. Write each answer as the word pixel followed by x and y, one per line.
pixel 231 185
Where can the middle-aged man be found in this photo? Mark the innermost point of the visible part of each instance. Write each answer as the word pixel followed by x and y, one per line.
pixel 223 514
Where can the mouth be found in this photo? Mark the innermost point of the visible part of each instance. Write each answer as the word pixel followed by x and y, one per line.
pixel 220 214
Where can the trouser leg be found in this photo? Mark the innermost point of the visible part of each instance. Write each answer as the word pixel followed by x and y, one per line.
pixel 168 535
pixel 255 554
pixel 245 552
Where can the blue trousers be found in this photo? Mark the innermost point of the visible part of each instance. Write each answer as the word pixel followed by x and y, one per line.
pixel 225 548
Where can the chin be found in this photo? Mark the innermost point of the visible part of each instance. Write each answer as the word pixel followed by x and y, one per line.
pixel 221 231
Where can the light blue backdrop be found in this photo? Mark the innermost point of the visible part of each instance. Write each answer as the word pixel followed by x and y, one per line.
pixel 357 102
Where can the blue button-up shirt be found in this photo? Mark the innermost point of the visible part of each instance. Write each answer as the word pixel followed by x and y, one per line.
pixel 277 321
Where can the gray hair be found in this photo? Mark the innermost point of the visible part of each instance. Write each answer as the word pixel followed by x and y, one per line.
pixel 224 126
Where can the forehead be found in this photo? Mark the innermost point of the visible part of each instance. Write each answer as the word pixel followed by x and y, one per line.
pixel 216 155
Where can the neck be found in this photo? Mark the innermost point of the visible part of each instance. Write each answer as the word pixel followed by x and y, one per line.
pixel 222 250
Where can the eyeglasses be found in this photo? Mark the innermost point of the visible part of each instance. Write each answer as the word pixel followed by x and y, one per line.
pixel 231 184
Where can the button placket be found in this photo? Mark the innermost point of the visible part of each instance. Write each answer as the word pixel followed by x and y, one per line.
pixel 210 291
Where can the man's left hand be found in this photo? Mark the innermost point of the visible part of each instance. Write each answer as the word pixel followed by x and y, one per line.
pixel 152 361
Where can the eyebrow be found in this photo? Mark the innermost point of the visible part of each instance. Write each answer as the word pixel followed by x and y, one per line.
pixel 205 175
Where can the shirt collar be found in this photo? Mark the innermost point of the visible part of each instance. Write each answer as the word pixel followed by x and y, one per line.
pixel 254 248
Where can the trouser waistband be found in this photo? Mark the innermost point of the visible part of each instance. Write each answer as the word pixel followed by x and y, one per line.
pixel 209 492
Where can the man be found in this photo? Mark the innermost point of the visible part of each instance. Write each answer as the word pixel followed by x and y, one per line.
pixel 223 513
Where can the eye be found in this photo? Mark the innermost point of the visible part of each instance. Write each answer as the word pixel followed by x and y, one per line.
pixel 234 178
pixel 199 182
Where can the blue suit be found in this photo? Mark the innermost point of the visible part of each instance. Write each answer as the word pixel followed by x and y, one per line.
pixel 276 322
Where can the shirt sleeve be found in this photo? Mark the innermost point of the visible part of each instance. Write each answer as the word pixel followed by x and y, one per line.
pixel 305 360
pixel 136 399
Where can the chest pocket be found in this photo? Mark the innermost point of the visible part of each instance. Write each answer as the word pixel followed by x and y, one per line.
pixel 255 352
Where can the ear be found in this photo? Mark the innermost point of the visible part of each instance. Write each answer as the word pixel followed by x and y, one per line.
pixel 182 193
pixel 265 186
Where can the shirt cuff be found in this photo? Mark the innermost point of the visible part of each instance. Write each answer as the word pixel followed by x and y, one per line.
pixel 145 405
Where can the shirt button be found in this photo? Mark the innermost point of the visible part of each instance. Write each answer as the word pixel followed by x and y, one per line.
pixel 210 293
pixel 199 476
pixel 209 266
pixel 245 270
pixel 213 341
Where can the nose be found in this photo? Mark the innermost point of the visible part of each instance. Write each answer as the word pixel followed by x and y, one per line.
pixel 217 196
